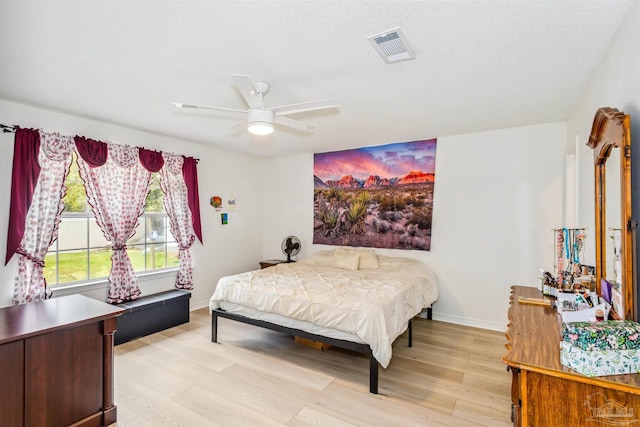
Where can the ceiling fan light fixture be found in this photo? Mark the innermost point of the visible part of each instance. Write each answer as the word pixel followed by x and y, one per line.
pixel 260 122
pixel 261 128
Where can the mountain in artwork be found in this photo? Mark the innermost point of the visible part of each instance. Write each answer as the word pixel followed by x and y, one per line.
pixel 318 183
pixel 416 177
pixel 374 181
pixel 347 181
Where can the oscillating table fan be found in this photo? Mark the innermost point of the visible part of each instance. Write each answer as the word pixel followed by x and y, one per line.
pixel 290 246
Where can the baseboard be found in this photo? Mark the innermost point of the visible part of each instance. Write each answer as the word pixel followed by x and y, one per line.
pixel 197 305
pixel 474 323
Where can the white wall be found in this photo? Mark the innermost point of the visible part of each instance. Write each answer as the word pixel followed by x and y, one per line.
pixel 615 83
pixel 497 197
pixel 227 249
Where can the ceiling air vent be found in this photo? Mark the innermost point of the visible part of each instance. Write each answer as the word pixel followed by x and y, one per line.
pixel 392 46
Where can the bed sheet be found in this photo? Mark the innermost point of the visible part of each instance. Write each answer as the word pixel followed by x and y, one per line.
pixel 373 304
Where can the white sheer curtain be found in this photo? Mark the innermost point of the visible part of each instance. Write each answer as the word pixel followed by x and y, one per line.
pixel 177 206
pixel 117 192
pixel 43 217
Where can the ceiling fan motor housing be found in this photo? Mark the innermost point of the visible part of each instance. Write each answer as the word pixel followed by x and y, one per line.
pixel 260 121
pixel 257 115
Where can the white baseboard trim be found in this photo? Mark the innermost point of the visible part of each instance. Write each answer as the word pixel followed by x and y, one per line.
pixel 474 323
pixel 197 305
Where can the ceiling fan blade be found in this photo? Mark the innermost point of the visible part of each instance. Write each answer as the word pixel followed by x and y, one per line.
pixel 248 90
pixel 241 122
pixel 206 107
pixel 305 106
pixel 295 124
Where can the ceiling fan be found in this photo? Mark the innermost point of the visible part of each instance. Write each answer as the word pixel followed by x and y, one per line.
pixel 260 119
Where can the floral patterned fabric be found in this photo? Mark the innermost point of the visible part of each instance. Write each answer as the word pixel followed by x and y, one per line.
pixel 43 218
pixel 116 193
pixel 599 362
pixel 177 206
pixel 608 335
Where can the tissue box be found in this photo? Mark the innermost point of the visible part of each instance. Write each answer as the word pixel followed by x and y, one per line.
pixel 599 362
pixel 607 335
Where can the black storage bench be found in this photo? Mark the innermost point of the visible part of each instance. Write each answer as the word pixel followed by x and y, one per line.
pixel 151 314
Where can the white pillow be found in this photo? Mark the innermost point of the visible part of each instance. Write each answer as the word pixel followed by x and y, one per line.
pixel 345 260
pixel 343 250
pixel 321 258
pixel 368 259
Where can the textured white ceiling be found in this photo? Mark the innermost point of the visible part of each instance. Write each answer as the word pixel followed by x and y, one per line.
pixel 480 65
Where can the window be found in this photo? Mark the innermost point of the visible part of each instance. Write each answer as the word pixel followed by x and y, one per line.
pixel 82 254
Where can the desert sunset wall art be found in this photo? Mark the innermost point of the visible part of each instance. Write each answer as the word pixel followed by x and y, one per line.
pixel 379 197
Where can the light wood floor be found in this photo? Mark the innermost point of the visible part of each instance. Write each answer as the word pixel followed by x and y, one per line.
pixel 452 376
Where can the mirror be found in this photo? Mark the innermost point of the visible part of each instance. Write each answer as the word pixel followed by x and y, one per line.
pixel 613 229
pixel 611 144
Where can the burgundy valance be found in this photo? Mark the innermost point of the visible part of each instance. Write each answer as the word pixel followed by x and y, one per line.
pixel 93 152
pixel 151 160
pixel 24 177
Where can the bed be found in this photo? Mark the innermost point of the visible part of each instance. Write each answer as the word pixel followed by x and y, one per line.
pixel 348 297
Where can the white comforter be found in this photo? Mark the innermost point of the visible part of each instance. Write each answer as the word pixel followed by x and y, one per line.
pixel 373 304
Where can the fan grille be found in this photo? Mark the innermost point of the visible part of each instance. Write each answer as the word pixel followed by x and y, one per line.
pixel 290 246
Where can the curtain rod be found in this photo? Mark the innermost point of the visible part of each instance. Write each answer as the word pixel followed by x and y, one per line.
pixel 8 129
pixel 12 129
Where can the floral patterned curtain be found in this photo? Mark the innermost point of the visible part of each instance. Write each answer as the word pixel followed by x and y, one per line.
pixel 116 191
pixel 117 180
pixel 43 218
pixel 177 206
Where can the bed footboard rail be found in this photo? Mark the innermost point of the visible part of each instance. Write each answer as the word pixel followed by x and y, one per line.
pixel 348 345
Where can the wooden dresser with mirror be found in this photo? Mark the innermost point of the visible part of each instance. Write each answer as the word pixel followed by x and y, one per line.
pixel 543 391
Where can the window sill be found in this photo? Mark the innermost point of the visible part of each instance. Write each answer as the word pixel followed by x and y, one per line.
pixel 77 288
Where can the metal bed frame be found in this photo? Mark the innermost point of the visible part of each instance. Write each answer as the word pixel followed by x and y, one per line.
pixel 348 345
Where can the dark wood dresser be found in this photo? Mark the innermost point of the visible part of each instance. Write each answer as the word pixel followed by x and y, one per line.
pixel 546 393
pixel 56 363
